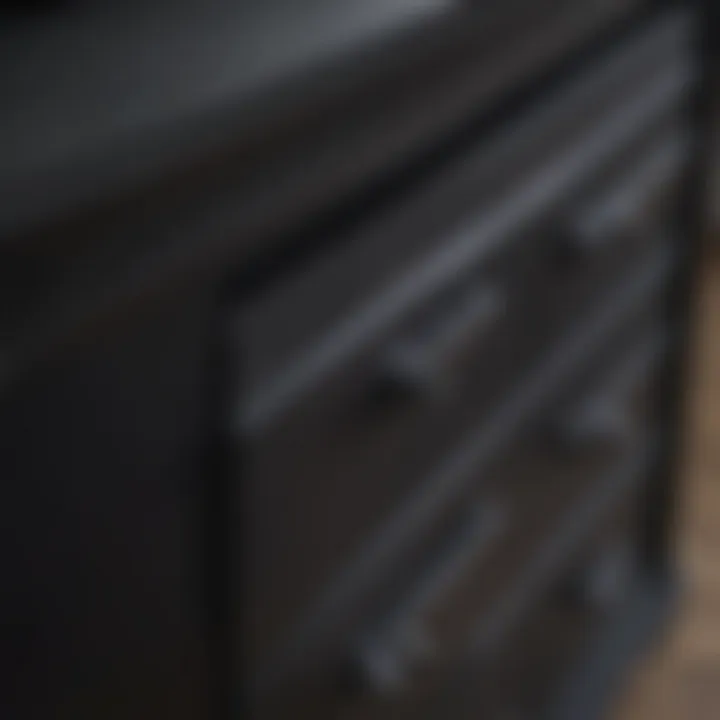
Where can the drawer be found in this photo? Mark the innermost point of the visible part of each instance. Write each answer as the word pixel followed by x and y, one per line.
pixel 544 488
pixel 353 455
pixel 609 228
pixel 529 517
pixel 417 660
pixel 531 672
pixel 356 456
pixel 386 394
pixel 304 328
pixel 571 482
pixel 306 592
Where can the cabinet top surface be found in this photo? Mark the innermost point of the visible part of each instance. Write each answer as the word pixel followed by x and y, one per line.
pixel 78 82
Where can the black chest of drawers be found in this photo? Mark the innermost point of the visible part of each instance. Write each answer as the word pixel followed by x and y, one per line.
pixel 342 354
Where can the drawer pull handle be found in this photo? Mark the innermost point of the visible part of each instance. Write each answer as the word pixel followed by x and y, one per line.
pixel 471 246
pixel 604 420
pixel 615 214
pixel 607 415
pixel 423 362
pixel 604 581
pixel 387 655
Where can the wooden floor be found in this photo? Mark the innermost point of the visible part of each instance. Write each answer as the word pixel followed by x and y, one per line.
pixel 681 679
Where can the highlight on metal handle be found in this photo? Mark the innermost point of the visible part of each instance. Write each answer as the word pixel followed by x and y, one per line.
pixel 422 363
pixel 602 420
pixel 620 208
pixel 386 657
pixel 602 583
pixel 607 414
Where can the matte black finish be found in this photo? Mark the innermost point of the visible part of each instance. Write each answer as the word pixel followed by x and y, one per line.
pixel 342 353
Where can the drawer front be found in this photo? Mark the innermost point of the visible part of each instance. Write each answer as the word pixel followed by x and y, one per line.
pixel 351 458
pixel 565 544
pixel 344 579
pixel 568 474
pixel 348 436
pixel 413 659
pixel 295 333
pixel 528 674
pixel 354 458
pixel 352 451
pixel 531 515
pixel 610 227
